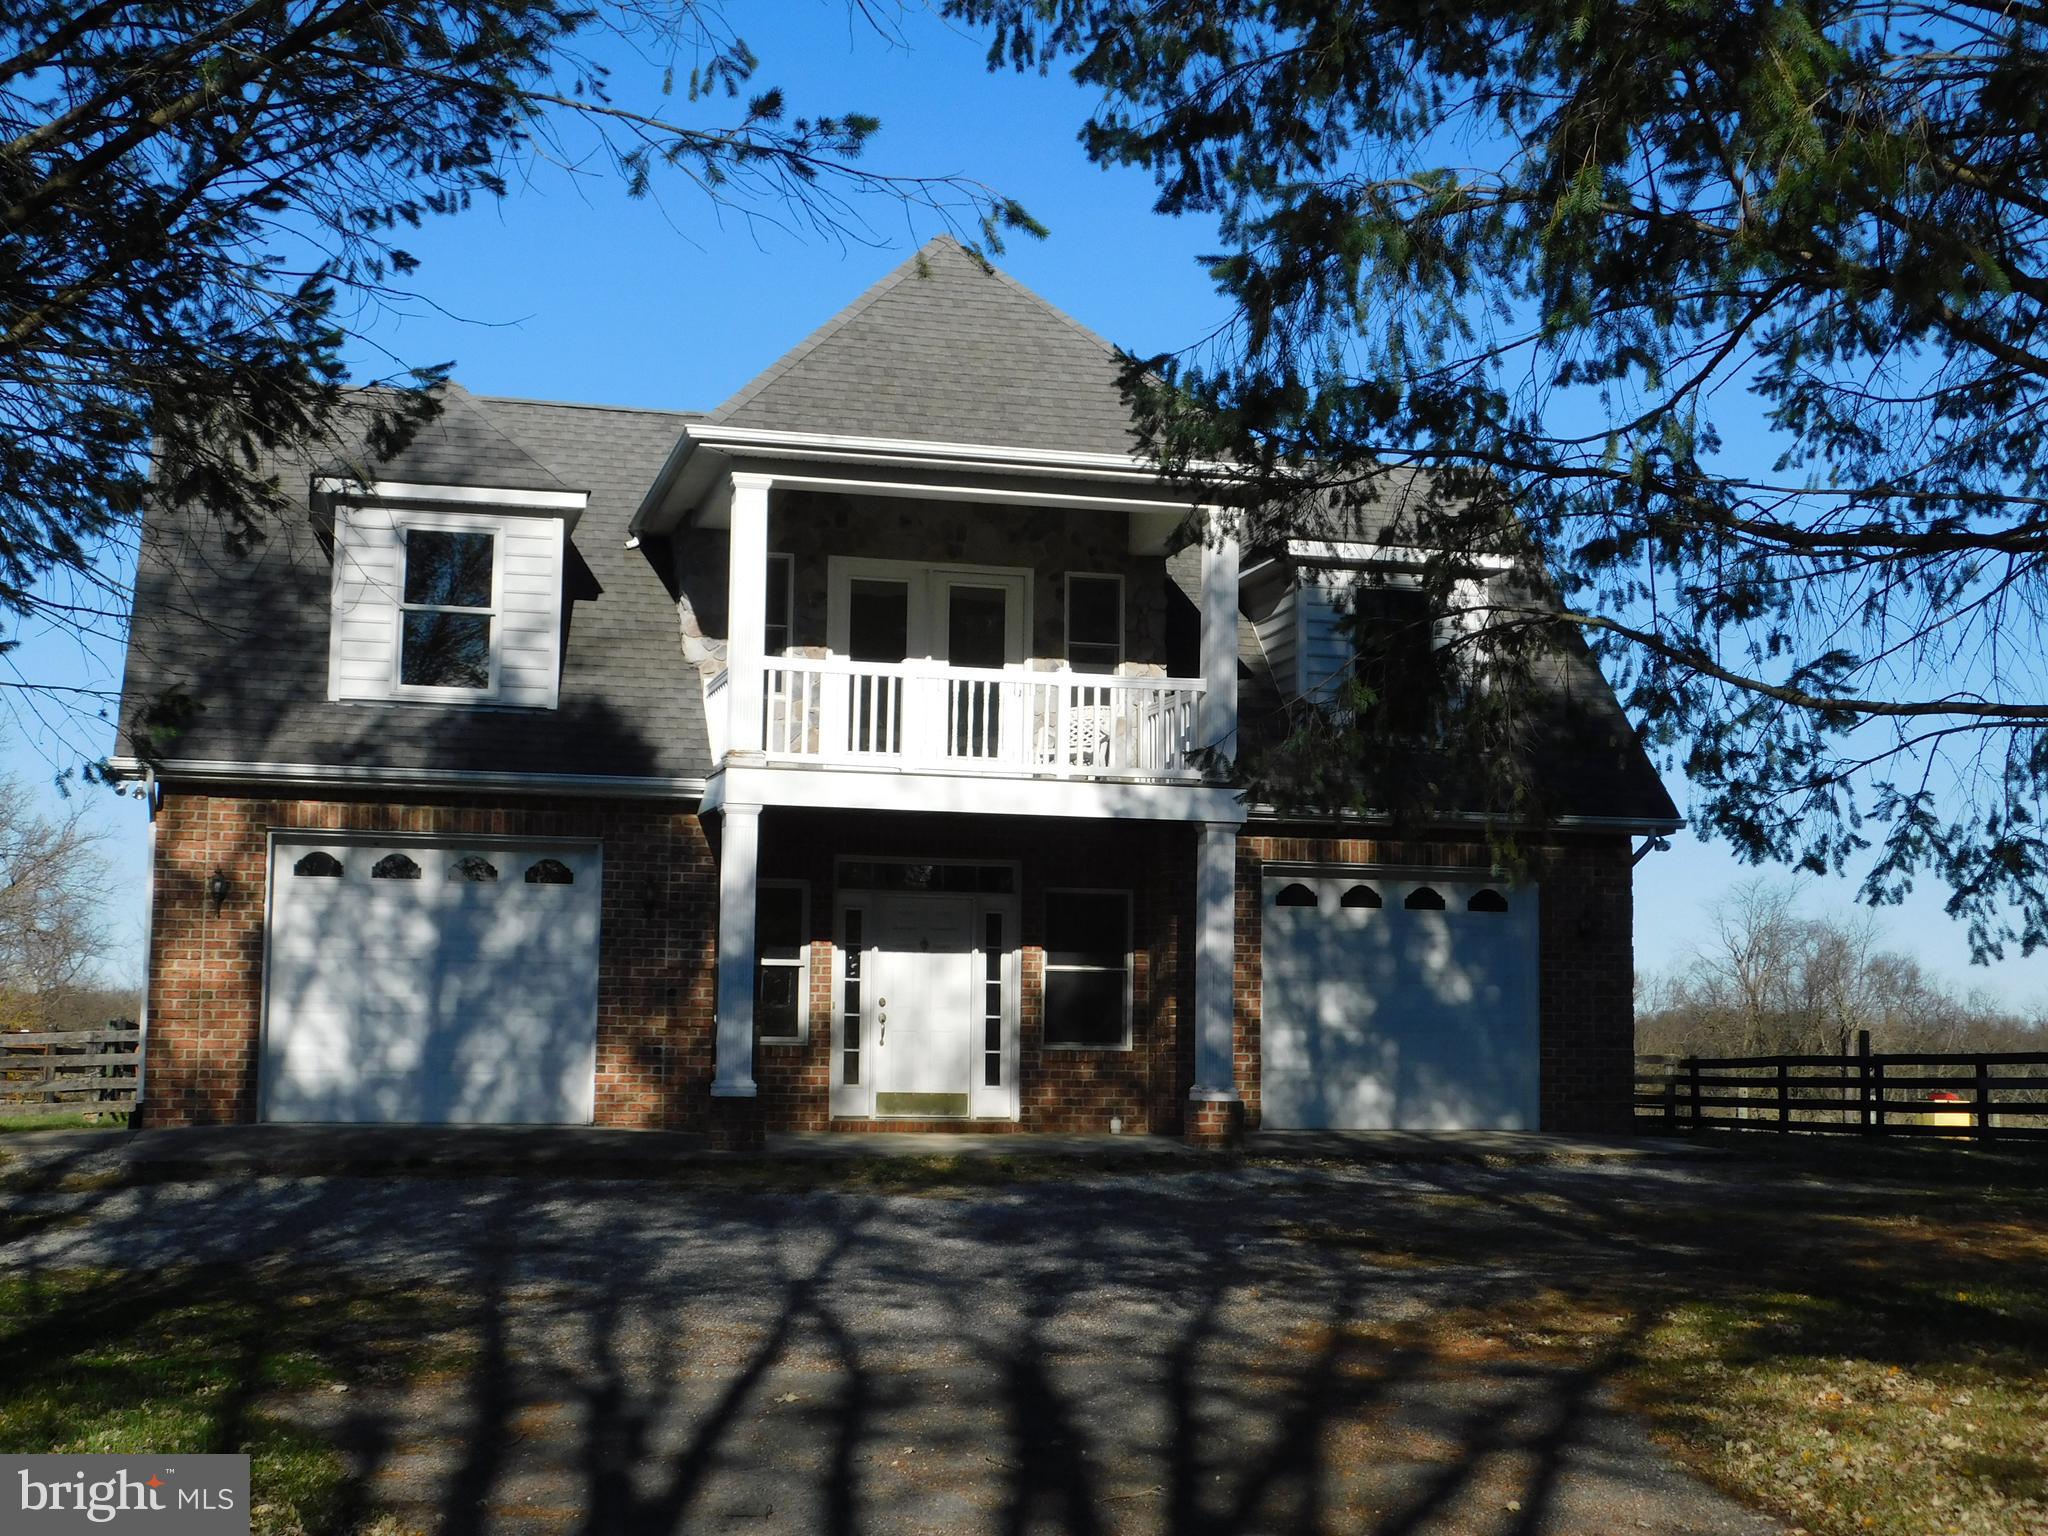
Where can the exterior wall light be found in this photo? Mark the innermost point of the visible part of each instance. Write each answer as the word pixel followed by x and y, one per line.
pixel 217 888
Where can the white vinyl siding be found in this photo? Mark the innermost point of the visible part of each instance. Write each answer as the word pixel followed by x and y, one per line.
pixel 1278 632
pixel 369 578
pixel 1308 642
pixel 1324 645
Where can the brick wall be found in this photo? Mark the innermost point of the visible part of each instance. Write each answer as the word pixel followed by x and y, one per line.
pixel 1585 960
pixel 656 979
pixel 660 899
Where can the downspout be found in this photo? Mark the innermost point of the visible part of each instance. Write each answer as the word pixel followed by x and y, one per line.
pixel 150 798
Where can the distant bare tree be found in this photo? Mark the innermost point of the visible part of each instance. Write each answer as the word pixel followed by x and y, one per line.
pixel 52 884
pixel 1770 979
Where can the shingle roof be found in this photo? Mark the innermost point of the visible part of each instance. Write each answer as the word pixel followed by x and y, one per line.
pixel 461 446
pixel 629 706
pixel 945 349
pixel 941 349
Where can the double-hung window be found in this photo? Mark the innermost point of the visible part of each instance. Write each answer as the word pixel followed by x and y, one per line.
pixel 1088 969
pixel 448 610
pixel 782 952
pixel 1095 622
pixel 1394 649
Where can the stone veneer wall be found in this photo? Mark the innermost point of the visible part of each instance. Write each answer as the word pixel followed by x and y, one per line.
pixel 814 526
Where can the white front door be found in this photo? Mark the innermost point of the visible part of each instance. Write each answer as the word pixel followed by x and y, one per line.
pixel 925 1007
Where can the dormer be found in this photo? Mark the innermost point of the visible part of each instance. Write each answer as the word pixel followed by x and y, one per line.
pixel 1326 607
pixel 449 590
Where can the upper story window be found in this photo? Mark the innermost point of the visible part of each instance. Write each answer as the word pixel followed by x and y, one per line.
pixel 780 603
pixel 1095 622
pixel 449 610
pixel 440 604
pixel 1394 649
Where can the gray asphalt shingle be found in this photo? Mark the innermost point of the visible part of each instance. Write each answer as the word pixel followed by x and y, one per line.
pixel 944 349
pixel 246 636
pixel 941 349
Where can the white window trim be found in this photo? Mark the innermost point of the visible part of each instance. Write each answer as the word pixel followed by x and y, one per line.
pixel 802 963
pixel 1067 615
pixel 1130 967
pixel 403 526
pixel 788 564
pixel 925 625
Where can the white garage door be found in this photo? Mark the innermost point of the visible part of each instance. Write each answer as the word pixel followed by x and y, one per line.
pixel 1403 1004
pixel 431 983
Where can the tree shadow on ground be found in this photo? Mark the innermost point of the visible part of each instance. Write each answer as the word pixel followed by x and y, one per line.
pixel 1207 1352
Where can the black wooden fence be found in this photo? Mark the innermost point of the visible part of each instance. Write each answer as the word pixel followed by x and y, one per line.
pixel 1985 1095
pixel 70 1071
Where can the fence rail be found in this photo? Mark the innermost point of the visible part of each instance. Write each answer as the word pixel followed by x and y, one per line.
pixel 1994 1095
pixel 70 1071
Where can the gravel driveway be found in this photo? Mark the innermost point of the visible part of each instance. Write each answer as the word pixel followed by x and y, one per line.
pixel 1183 1350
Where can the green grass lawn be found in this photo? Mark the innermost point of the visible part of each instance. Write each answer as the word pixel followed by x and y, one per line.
pixel 187 1361
pixel 12 1123
pixel 1878 1362
pixel 1856 1342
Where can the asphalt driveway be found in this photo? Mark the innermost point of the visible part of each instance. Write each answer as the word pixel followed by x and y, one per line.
pixel 1180 1349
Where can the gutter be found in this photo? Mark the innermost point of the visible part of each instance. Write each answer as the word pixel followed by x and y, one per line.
pixel 1656 828
pixel 209 771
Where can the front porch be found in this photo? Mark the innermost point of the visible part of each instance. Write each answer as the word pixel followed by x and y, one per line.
pixel 917 974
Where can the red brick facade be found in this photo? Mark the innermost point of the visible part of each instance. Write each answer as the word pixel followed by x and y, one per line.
pixel 1061 1090
pixel 655 999
pixel 656 1002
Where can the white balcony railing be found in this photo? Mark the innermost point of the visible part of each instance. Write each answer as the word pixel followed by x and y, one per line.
pixel 928 715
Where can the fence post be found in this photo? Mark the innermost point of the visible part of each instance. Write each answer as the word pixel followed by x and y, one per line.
pixel 1983 1096
pixel 1877 1095
pixel 1784 1099
pixel 1670 1100
pixel 1863 1078
pixel 1692 1067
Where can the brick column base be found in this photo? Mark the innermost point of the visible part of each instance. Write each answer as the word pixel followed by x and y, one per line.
pixel 736 1125
pixel 1216 1124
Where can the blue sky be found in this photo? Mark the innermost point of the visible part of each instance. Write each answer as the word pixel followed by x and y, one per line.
pixel 569 291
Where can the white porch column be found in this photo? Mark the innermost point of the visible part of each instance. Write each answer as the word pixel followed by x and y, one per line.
pixel 1215 964
pixel 1216 722
pixel 738 855
pixel 746 610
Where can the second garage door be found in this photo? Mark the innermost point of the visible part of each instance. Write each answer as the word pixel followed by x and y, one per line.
pixel 431 983
pixel 1397 1003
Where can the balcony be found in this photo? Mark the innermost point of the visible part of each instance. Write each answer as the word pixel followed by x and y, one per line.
pixel 920 716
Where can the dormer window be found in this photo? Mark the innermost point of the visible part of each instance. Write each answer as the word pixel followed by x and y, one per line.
pixel 448 595
pixel 448 614
pixel 1393 649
